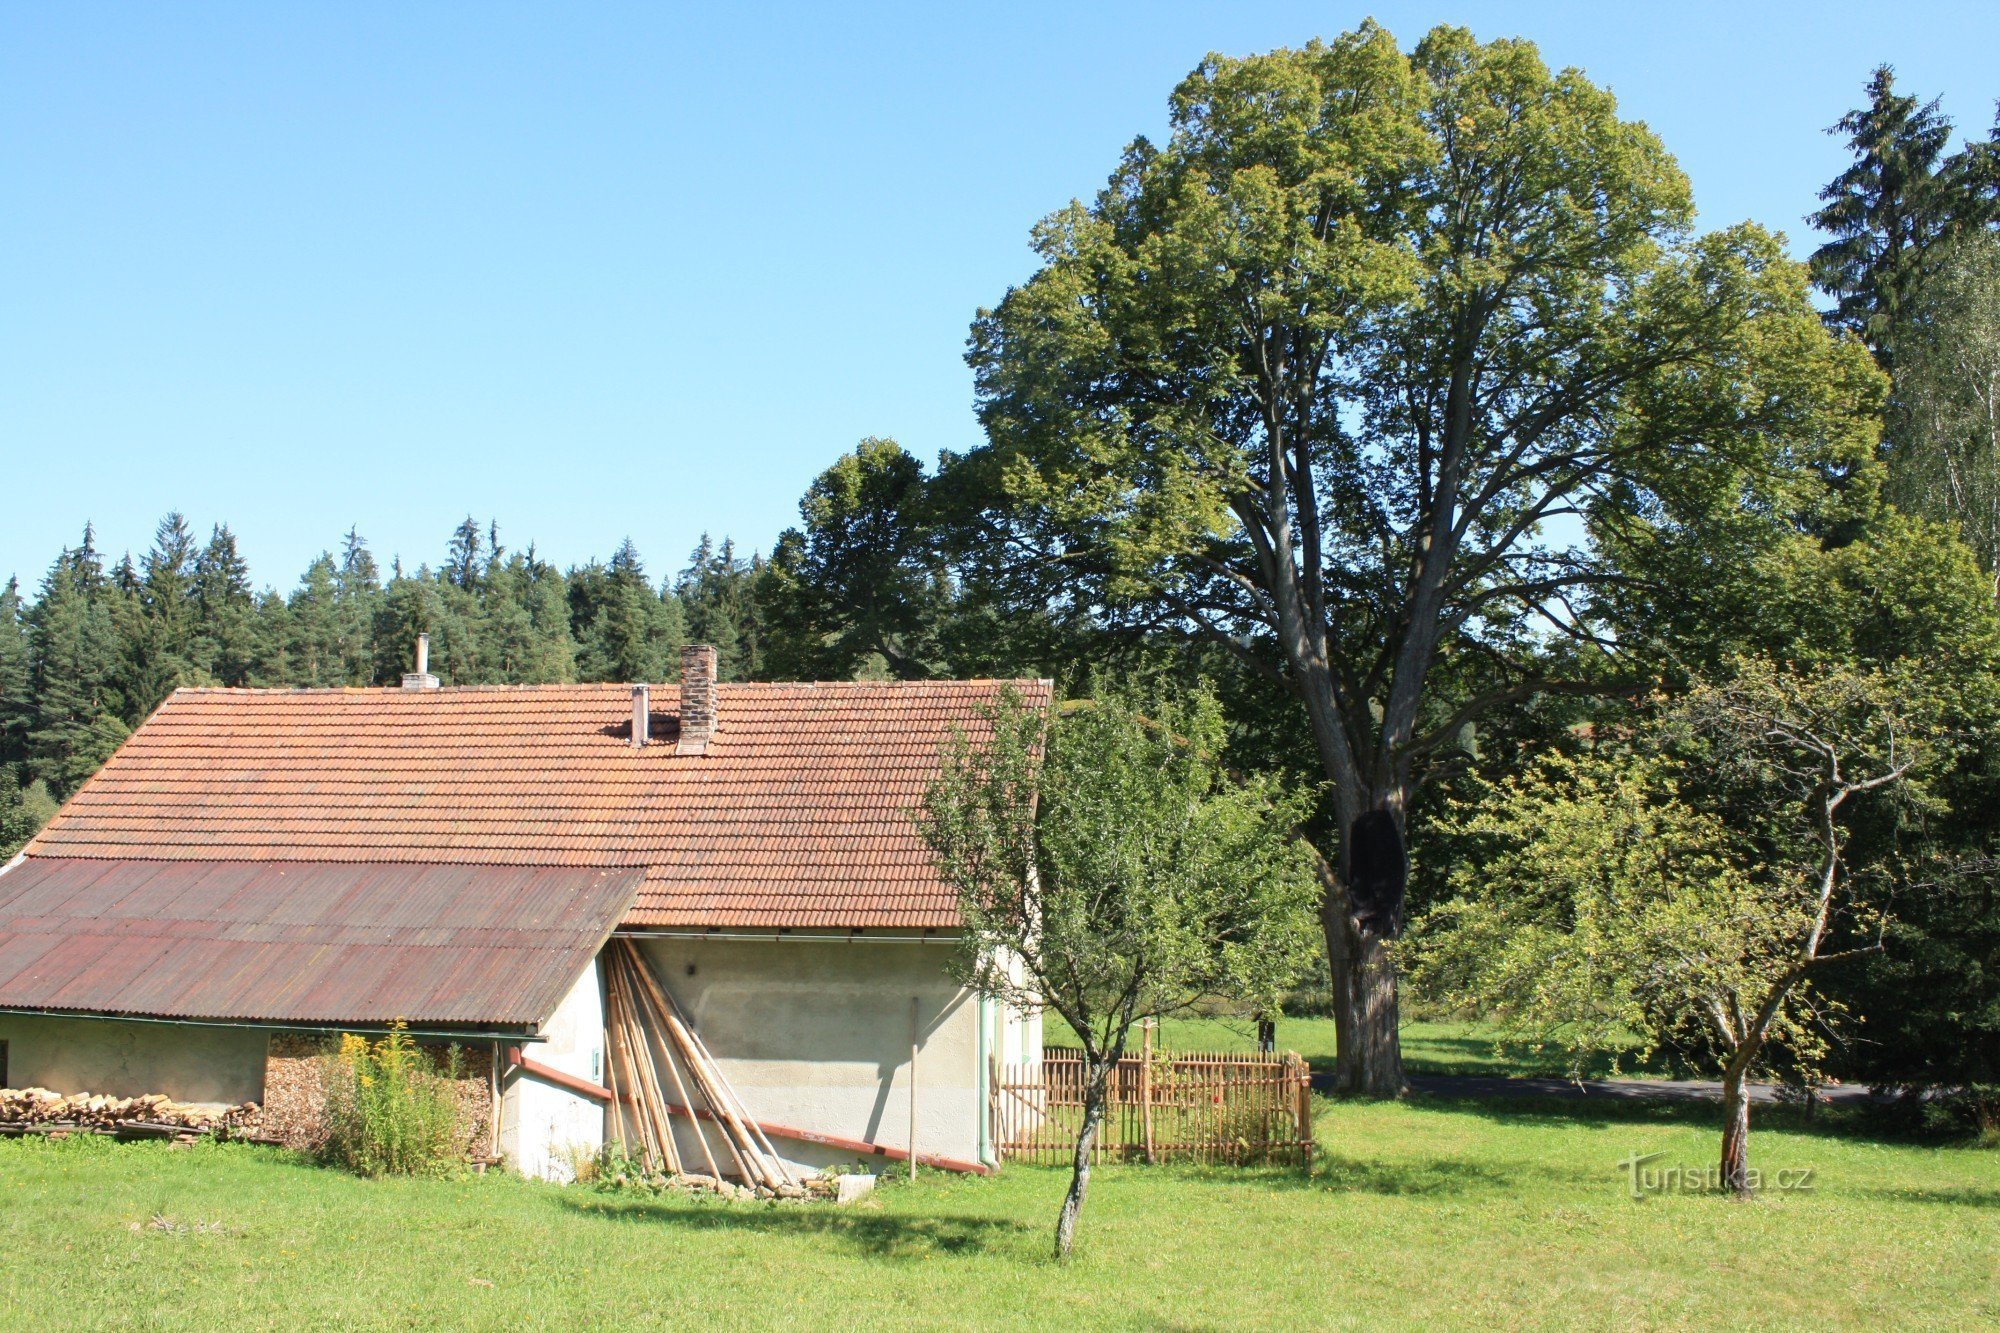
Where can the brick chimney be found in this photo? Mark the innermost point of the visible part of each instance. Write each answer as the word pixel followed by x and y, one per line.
pixel 421 678
pixel 697 698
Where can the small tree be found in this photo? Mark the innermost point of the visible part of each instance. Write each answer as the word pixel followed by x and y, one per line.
pixel 1695 886
pixel 1108 867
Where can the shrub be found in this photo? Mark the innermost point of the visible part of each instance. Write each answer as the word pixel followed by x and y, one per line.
pixel 389 1109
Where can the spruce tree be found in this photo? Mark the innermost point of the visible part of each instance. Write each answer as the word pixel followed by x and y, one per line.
pixel 225 646
pixel 167 583
pixel 271 638
pixel 414 604
pixel 1884 212
pixel 1973 176
pixel 157 621
pixel 75 654
pixel 462 565
pixel 17 699
pixel 357 586
pixel 716 592
pixel 315 646
pixel 625 629
pixel 524 623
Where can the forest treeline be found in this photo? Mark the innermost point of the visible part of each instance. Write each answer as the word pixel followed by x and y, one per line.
pixel 1774 488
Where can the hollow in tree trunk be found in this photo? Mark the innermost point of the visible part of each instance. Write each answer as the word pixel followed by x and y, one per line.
pixel 1095 1088
pixel 1735 1131
pixel 1362 912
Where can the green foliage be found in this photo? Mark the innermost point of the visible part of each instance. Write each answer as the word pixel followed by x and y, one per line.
pixel 17 686
pixel 1596 902
pixel 718 591
pixel 861 588
pixel 1691 881
pixel 1944 460
pixel 23 811
pixel 625 630
pixel 1893 209
pixel 1107 866
pixel 1885 211
pixel 389 1109
pixel 1404 377
pixel 1110 868
pixel 80 714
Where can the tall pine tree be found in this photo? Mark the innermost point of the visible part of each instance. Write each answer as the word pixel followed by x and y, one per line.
pixel 76 659
pixel 17 697
pixel 1884 212
pixel 625 630
pixel 225 645
pixel 718 591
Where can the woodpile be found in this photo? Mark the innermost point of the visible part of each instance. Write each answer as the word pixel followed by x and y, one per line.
pixel 294 1107
pixel 659 1072
pixel 40 1111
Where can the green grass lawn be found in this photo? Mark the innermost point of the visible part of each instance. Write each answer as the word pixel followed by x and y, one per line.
pixel 1428 1047
pixel 1417 1214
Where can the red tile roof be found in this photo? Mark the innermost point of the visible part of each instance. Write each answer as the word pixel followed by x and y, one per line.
pixel 478 948
pixel 797 815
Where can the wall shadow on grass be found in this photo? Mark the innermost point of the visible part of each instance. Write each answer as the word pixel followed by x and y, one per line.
pixel 881 1235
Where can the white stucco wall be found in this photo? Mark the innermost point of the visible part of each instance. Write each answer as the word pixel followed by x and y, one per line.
pixel 545 1128
pixel 815 1034
pixel 120 1059
pixel 1017 1036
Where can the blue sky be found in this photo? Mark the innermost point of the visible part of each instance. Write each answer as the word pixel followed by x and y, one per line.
pixel 605 270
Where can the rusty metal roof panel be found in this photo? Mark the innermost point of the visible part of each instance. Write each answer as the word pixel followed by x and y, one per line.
pixel 316 944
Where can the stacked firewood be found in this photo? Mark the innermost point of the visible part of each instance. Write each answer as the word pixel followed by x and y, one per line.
pixel 38 1109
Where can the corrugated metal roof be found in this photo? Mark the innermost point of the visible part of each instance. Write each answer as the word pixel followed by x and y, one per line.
pixel 797 815
pixel 464 946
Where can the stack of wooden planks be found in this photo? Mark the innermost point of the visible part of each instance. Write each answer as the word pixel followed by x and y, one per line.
pixel 651 1046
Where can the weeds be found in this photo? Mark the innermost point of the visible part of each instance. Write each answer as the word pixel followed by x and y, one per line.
pixel 389 1110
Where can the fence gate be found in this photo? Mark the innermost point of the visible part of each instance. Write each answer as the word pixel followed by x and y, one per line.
pixel 1170 1105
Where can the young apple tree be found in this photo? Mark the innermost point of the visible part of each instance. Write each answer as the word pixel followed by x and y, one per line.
pixel 1696 880
pixel 1110 868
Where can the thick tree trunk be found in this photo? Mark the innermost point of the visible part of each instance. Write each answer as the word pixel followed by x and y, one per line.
pixel 1094 1090
pixel 1735 1131
pixel 1333 921
pixel 1368 1044
pixel 1368 1061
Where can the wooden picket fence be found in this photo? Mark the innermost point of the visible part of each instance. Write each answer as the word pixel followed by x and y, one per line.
pixel 1191 1106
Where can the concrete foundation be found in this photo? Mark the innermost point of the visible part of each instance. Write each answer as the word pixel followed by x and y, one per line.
pixel 186 1062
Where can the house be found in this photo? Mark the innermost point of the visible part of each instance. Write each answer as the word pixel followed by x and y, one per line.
pixel 255 864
